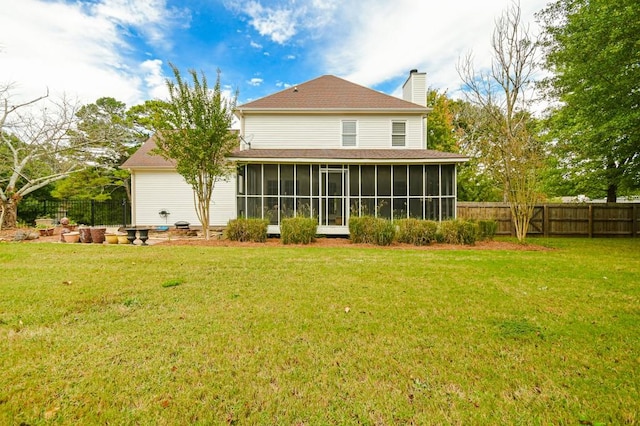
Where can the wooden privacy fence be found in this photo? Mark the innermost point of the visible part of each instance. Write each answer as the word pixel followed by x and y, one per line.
pixel 574 220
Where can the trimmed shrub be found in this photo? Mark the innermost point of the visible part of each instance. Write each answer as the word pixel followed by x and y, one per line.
pixel 458 232
pixel 371 230
pixel 298 230
pixel 487 229
pixel 361 229
pixel 417 232
pixel 385 232
pixel 247 230
pixel 406 230
pixel 448 232
pixel 468 232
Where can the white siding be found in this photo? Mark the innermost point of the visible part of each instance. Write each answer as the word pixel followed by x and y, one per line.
pixel 325 131
pixel 415 88
pixel 416 133
pixel 293 131
pixel 167 190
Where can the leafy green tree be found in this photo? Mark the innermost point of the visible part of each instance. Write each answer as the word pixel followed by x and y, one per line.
pixel 94 183
pixel 502 131
pixel 448 129
pixel 476 185
pixel 194 130
pixel 441 133
pixel 592 52
pixel 107 125
pixel 146 116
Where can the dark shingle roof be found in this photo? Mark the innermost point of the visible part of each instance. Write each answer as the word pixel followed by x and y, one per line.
pixel 331 93
pixel 349 155
pixel 143 158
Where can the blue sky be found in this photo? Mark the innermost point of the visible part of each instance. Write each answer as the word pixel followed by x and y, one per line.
pixel 121 48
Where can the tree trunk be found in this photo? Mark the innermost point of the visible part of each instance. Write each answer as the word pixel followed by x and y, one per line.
pixel 612 193
pixel 9 214
pixel 613 176
pixel 521 215
pixel 127 189
pixel 202 202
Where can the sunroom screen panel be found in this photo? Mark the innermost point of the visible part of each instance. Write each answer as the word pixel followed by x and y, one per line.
pixel 384 181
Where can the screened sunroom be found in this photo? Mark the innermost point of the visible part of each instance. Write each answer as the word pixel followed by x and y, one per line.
pixel 333 193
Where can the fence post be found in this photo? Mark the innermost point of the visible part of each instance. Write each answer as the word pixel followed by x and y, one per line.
pixel 93 213
pixel 545 220
pixel 634 221
pixel 590 221
pixel 124 212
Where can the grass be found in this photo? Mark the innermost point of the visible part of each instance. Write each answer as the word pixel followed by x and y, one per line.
pixel 291 335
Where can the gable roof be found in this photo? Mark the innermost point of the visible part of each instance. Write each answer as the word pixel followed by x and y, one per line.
pixel 144 158
pixel 330 93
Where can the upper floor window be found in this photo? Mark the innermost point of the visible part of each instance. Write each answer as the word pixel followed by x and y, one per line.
pixel 398 133
pixel 349 132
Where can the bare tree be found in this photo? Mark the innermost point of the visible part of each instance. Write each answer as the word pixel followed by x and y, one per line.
pixel 503 127
pixel 34 148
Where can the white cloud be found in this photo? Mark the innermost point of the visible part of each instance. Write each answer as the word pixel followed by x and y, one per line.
pixel 277 23
pixel 80 48
pixel 93 48
pixel 378 41
pixel 387 39
pixel 282 20
pixel 151 17
pixel 255 81
pixel 155 81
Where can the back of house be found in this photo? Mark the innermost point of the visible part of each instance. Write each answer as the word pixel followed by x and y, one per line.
pixel 327 148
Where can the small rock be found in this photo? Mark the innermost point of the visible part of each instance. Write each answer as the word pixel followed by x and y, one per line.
pixel 22 235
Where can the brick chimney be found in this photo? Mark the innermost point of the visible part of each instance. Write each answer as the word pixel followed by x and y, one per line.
pixel 415 88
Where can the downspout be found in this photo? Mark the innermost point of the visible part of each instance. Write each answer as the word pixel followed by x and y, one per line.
pixel 133 197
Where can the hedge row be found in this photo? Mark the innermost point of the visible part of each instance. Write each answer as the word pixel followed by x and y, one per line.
pixel 379 231
pixel 369 230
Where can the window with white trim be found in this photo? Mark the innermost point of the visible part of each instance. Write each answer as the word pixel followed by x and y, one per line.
pixel 398 133
pixel 349 132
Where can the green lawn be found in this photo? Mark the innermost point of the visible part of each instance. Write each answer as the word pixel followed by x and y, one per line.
pixel 290 335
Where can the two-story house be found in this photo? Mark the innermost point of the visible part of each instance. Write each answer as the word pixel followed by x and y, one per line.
pixel 327 148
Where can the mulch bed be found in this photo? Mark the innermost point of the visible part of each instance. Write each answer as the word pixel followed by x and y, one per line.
pixel 182 240
pixel 345 243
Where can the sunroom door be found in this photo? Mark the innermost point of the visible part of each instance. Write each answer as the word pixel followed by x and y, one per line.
pixel 333 200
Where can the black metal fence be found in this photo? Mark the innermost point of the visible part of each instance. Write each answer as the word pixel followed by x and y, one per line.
pixel 86 212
